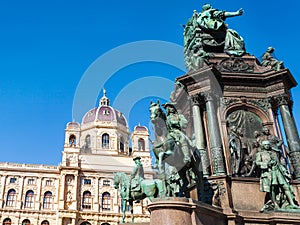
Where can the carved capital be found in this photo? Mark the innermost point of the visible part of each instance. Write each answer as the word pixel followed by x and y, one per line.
pixel 283 99
pixel 195 99
pixel 208 96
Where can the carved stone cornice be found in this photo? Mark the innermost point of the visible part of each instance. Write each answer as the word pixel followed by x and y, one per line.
pixel 234 64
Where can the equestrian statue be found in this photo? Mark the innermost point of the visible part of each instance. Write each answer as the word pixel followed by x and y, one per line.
pixel 173 147
pixel 136 188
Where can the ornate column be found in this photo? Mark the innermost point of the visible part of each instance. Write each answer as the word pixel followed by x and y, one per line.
pixel 291 132
pixel 199 135
pixel 214 134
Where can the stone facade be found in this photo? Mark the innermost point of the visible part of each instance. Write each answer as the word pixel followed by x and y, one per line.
pixel 80 190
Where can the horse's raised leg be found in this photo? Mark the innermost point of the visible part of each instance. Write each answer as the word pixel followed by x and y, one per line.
pixel 131 210
pixel 124 204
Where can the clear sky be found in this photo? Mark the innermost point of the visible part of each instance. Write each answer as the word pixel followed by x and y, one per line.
pixel 47 47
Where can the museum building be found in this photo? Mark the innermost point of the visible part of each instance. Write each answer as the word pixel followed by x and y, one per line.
pixel 80 190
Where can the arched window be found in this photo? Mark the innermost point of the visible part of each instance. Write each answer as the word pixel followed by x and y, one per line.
pixel 88 141
pixel 86 200
pixel 45 222
pixel 106 201
pixel 122 144
pixel 7 221
pixel 47 201
pixel 141 144
pixel 11 197
pixel 29 199
pixel 105 140
pixel 85 223
pixel 26 222
pixel 72 140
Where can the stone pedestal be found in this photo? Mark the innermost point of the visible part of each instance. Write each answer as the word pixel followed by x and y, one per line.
pixel 183 211
pixel 179 211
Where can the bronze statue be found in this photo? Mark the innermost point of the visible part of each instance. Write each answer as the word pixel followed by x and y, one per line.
pixel 269 60
pixel 206 33
pixel 212 19
pixel 236 151
pixel 137 174
pixel 136 188
pixel 175 124
pixel 274 179
pixel 173 146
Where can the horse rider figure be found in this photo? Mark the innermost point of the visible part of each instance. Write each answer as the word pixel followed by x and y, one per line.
pixel 137 174
pixel 175 124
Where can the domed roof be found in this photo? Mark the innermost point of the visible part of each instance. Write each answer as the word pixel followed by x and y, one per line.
pixel 104 113
pixel 73 125
pixel 141 128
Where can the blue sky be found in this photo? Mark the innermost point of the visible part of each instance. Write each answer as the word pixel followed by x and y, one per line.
pixel 47 47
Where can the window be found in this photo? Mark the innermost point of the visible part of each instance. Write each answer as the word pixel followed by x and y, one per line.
pixel 11 197
pixel 106 112
pixel 47 201
pixel 106 201
pixel 122 144
pixel 72 140
pixel 48 182
pixel 86 200
pixel 26 222
pixel 141 144
pixel 105 224
pixel 29 199
pixel 45 222
pixel 7 221
pixel 30 181
pixel 85 223
pixel 105 141
pixel 87 181
pixel 88 141
pixel 106 182
pixel 12 180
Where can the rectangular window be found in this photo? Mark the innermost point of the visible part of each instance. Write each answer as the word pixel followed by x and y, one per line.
pixel 87 200
pixel 106 182
pixel 30 181
pixel 48 182
pixel 13 180
pixel 87 181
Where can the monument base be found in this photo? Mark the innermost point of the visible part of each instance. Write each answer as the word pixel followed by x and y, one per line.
pixel 178 211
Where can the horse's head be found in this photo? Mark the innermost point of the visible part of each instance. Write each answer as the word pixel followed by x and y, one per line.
pixel 158 118
pixel 156 112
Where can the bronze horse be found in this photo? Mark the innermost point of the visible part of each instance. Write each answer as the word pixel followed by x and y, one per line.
pixel 149 188
pixel 167 150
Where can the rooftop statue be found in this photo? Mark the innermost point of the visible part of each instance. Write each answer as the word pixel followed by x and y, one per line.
pixel 136 188
pixel 206 33
pixel 269 60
